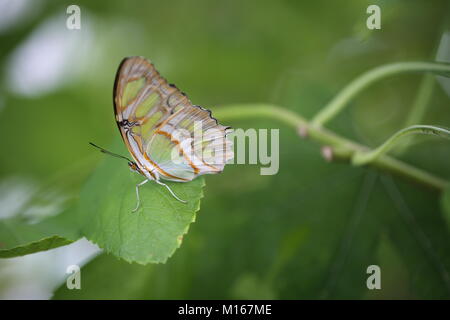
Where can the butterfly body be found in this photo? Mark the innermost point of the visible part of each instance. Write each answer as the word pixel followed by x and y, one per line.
pixel 160 127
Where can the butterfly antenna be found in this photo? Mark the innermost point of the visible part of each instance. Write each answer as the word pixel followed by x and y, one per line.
pixel 109 152
pixel 170 190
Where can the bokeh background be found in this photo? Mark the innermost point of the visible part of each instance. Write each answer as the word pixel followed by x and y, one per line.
pixel 309 232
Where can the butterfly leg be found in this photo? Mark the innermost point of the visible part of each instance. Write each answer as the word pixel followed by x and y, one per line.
pixel 170 190
pixel 137 194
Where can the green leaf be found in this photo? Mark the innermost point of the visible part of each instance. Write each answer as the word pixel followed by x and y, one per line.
pixel 42 244
pixel 103 214
pixel 149 235
pixel 18 237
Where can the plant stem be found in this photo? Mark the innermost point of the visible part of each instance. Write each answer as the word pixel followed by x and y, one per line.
pixel 339 102
pixel 418 109
pixel 342 147
pixel 361 157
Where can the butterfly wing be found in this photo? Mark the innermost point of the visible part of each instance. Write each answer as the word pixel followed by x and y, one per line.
pixel 190 143
pixel 157 122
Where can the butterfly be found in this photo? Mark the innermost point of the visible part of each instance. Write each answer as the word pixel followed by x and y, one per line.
pixel 167 136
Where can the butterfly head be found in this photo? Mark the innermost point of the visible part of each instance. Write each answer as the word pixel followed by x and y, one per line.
pixel 133 166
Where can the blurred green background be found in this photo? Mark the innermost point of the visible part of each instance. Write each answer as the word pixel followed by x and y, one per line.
pixel 308 232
